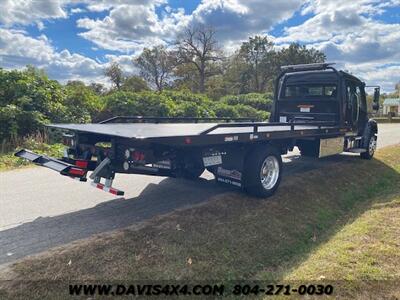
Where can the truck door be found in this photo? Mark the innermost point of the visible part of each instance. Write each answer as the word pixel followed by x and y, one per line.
pixel 355 106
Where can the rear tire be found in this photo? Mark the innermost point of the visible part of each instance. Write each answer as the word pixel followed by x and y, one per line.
pixel 262 171
pixel 371 147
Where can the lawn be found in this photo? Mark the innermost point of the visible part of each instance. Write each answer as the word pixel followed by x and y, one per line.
pixel 337 224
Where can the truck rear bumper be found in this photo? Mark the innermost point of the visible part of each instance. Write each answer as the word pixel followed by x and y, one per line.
pixel 76 171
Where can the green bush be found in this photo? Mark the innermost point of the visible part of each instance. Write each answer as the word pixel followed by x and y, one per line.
pixel 223 110
pixel 246 111
pixel 185 96
pixel 141 104
pixel 31 90
pixel 16 122
pixel 29 100
pixel 261 102
pixel 81 104
pixel 188 109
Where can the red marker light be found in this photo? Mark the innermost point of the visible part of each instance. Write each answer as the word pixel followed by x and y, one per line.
pixel 81 163
pixel 188 140
pixel 76 171
pixel 138 156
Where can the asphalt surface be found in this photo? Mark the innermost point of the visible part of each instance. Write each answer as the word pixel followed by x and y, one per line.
pixel 40 210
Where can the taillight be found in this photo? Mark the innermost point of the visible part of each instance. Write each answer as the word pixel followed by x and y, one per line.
pixel 138 155
pixel 135 155
pixel 76 171
pixel 81 163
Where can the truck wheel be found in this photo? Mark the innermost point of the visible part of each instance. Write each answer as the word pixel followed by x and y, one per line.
pixel 370 148
pixel 263 171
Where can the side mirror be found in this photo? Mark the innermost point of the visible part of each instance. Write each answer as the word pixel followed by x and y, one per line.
pixel 375 104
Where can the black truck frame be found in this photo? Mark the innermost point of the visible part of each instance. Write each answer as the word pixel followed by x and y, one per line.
pixel 317 108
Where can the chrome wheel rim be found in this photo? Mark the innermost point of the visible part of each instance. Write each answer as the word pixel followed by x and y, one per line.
pixel 269 172
pixel 372 146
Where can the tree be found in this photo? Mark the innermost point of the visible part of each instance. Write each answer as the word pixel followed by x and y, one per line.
pixel 156 65
pixel 256 52
pixel 114 72
pixel 236 75
pixel 186 78
pixel 28 99
pixel 299 54
pixel 198 46
pixel 98 88
pixel 81 102
pixel 257 64
pixel 134 84
pixel 76 83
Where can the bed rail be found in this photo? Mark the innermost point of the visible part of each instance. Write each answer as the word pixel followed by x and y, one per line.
pixel 142 119
pixel 256 125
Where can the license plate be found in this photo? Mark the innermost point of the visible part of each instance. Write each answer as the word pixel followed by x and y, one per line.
pixel 212 160
pixel 305 109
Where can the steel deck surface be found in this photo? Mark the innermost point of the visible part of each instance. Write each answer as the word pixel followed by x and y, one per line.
pixel 160 130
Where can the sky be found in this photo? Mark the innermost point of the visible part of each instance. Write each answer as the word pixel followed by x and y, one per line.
pixel 77 39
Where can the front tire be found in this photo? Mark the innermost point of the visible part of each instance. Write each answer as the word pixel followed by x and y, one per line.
pixel 371 147
pixel 262 171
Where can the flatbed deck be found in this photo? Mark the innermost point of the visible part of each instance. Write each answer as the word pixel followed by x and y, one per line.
pixel 173 130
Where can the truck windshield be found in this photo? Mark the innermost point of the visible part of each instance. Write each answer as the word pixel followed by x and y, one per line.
pixel 305 90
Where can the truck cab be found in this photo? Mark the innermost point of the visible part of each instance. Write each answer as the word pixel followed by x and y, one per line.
pixel 319 92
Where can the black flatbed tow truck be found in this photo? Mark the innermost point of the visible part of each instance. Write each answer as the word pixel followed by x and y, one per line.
pixel 317 108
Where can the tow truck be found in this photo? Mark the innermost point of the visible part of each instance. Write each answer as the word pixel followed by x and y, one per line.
pixel 316 108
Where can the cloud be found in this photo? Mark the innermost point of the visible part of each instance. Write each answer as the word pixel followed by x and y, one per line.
pixel 236 20
pixel 349 34
pixel 77 10
pixel 17 50
pixel 102 5
pixel 386 76
pixel 131 27
pixel 28 12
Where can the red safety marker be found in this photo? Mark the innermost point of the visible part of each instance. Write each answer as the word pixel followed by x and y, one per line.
pixel 77 171
pixel 81 163
pixel 111 190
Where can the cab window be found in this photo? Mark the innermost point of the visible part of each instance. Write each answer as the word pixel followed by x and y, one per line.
pixel 302 91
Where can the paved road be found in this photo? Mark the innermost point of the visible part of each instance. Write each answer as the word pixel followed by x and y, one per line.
pixel 40 210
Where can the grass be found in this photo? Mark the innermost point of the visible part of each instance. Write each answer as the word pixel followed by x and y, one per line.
pixel 8 161
pixel 338 221
pixel 365 254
